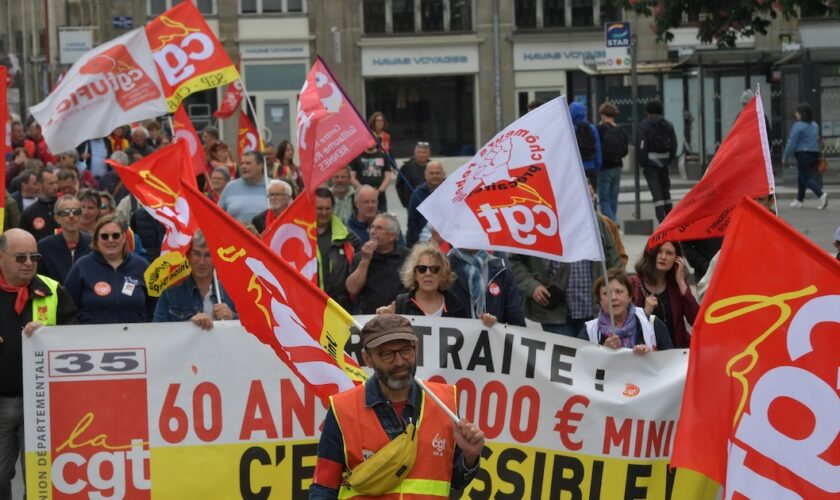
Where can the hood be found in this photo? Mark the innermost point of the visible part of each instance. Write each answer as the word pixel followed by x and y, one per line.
pixel 578 112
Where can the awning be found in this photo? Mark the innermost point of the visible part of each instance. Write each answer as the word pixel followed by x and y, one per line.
pixel 642 67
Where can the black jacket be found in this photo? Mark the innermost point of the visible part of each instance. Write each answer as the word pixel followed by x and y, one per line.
pixel 452 307
pixel 38 219
pixel 409 178
pixel 148 229
pixel 503 299
pixel 57 259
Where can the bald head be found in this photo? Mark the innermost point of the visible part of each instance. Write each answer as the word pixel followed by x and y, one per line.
pixel 367 203
pixel 14 244
pixel 434 174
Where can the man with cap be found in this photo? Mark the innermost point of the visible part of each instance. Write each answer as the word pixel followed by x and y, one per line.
pixel 362 420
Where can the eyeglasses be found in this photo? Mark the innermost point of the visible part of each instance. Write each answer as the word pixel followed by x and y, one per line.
pixel 107 236
pixel 422 144
pixel 70 211
pixel 376 228
pixel 279 194
pixel 406 352
pixel 20 258
pixel 421 269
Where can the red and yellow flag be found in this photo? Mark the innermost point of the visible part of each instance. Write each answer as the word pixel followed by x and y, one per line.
pixel 307 329
pixel 761 411
pixel 188 56
pixel 294 236
pixel 231 100
pixel 4 144
pixel 248 137
pixel 184 131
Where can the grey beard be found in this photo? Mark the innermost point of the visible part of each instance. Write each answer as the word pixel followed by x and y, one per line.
pixel 396 384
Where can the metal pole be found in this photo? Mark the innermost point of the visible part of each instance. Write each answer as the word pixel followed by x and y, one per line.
pixel 702 75
pixel 497 66
pixel 634 92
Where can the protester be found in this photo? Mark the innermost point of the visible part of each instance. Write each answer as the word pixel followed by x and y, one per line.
pixel 108 284
pixel 68 182
pixel 379 125
pixel 29 187
pixel 660 286
pixel 157 138
pixel 633 329
pixel 412 173
pixel 613 150
pixel 118 140
pixel 804 144
pixel 27 301
pixel 434 177
pixel 111 182
pixel 89 198
pixel 138 147
pixel 657 149
pixel 94 153
pixel 362 420
pixel 343 192
pixel 36 146
pixel 374 276
pixel 286 168
pixel 18 135
pixel 195 298
pixel 486 286
pixel 428 276
pixel 336 248
pixel 146 231
pixel 219 157
pixel 38 218
pixel 16 166
pixel 244 198
pixel 11 213
pixel 280 196
pixel 372 169
pixel 219 178
pixel 60 251
pixel 589 142
pixel 365 201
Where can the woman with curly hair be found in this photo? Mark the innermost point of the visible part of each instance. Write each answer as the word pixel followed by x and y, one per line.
pixel 660 286
pixel 428 276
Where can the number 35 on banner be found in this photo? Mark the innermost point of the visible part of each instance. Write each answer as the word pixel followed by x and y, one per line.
pixel 97 362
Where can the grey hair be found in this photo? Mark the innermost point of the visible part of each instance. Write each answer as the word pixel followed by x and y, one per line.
pixel 120 157
pixel 198 239
pixel 140 128
pixel 280 182
pixel 222 170
pixel 393 223
pixel 63 197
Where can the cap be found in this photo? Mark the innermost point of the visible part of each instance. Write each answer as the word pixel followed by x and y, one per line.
pixel 385 328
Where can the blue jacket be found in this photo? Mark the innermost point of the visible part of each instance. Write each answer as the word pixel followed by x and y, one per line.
pixel 183 301
pixel 416 221
pixel 57 259
pixel 803 137
pixel 578 112
pixel 505 304
pixel 108 295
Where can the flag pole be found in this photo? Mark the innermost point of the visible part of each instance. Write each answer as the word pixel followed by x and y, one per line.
pixel 767 134
pixel 218 289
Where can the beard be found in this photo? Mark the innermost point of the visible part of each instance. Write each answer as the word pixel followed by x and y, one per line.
pixel 396 382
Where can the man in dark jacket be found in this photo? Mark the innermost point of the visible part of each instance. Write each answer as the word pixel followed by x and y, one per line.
pixel 60 251
pixel 434 175
pixel 336 248
pixel 657 149
pixel 39 219
pixel 27 302
pixel 486 285
pixel 412 173
pixel 375 274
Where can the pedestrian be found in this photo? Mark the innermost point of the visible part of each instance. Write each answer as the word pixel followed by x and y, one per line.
pixel 378 124
pixel 286 168
pixel 343 192
pixel 380 416
pixel 27 302
pixel 613 150
pixel 588 140
pixel 804 144
pixel 412 172
pixel 656 150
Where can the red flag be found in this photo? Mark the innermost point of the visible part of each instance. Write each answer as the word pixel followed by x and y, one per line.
pixel 4 144
pixel 231 100
pixel 188 56
pixel 184 131
pixel 294 236
pixel 248 138
pixel 761 412
pixel 304 327
pixel 741 167
pixel 330 130
pixel 156 182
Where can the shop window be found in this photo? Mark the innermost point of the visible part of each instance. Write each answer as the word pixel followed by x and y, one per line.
pixel 582 13
pixel 158 7
pixel 271 6
pixel 374 16
pixel 525 13
pixel 554 13
pixel 402 15
pixel 432 15
pixel 410 16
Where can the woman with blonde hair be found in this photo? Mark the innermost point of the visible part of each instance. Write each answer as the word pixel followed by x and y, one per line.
pixel 428 276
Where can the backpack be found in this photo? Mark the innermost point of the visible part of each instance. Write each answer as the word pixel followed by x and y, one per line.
pixel 613 143
pixel 586 141
pixel 659 137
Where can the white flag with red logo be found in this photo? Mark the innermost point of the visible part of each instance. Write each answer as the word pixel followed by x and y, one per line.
pixel 524 192
pixel 113 84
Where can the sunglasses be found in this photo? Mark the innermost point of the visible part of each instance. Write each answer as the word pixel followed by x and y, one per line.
pixel 107 236
pixel 70 211
pixel 21 258
pixel 422 269
pixel 422 144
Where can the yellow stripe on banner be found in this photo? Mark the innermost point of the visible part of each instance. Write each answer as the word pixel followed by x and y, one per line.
pixel 336 334
pixel 242 470
pixel 535 473
pixel 38 475
pixel 204 81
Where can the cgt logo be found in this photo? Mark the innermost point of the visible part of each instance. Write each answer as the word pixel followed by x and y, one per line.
pixel 179 47
pixel 102 449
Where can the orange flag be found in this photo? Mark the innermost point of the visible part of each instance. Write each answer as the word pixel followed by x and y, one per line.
pixel 188 56
pixel 184 131
pixel 4 144
pixel 305 328
pixel 294 236
pixel 248 138
pixel 741 167
pixel 761 412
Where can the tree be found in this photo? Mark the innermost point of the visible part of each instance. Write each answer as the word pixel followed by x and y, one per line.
pixel 724 21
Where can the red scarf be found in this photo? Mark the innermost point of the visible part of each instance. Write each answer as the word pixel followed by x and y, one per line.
pixel 269 217
pixel 22 293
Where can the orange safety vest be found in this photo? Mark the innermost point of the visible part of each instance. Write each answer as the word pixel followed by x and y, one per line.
pixel 431 476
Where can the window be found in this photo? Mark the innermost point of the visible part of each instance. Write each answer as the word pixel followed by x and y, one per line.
pixel 416 16
pixel 554 13
pixel 525 12
pixel 582 13
pixel 272 6
pixel 157 7
pixel 538 14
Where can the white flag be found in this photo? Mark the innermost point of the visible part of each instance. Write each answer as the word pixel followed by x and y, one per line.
pixel 114 84
pixel 524 192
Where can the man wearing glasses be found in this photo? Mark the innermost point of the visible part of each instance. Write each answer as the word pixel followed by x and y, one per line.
pixel 279 198
pixel 27 302
pixel 60 251
pixel 362 420
pixel 375 274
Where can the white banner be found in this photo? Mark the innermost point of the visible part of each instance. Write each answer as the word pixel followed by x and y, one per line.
pixel 114 84
pixel 175 412
pixel 523 192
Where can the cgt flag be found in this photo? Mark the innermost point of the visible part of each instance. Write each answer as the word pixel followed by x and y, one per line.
pixel 113 84
pixel 330 130
pixel 524 192
pixel 294 236
pixel 304 327
pixel 760 412
pixel 188 55
pixel 231 100
pixel 184 131
pixel 248 138
pixel 741 167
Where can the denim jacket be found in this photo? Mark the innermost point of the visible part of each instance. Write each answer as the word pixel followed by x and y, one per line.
pixel 803 137
pixel 183 301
